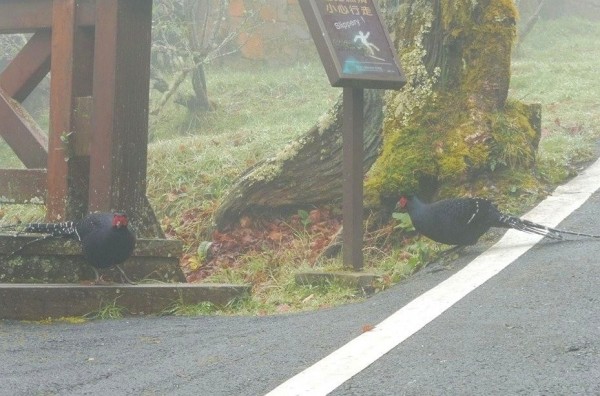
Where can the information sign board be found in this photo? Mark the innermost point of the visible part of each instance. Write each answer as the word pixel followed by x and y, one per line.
pixel 353 43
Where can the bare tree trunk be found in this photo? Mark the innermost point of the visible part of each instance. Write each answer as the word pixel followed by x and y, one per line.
pixel 202 36
pixel 531 21
pixel 190 35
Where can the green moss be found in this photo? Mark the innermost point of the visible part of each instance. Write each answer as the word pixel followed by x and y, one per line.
pixel 515 140
pixel 404 153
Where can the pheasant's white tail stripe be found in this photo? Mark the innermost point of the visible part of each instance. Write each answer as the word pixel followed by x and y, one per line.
pixel 474 212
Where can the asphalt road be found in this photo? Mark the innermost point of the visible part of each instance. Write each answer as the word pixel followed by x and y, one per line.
pixel 533 329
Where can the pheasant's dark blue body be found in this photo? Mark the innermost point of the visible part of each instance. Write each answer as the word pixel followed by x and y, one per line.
pixel 106 241
pixel 453 222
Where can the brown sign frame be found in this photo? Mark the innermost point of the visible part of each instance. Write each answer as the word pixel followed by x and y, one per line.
pixel 353 43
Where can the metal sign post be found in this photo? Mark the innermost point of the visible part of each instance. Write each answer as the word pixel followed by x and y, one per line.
pixel 357 53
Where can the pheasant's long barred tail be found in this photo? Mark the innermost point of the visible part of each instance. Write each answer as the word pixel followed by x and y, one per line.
pixel 64 229
pixel 531 227
pixel 553 233
pixel 565 232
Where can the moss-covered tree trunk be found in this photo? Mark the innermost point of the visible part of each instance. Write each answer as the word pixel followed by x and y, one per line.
pixel 451 124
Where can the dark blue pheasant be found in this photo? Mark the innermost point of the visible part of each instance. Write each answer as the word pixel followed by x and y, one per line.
pixel 106 240
pixel 461 221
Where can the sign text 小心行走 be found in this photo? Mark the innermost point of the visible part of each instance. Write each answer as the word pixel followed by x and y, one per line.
pixel 349 8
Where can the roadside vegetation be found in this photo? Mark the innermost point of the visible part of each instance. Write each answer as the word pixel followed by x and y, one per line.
pixel 258 111
pixel 194 158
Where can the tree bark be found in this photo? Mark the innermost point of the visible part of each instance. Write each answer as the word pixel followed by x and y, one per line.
pixel 449 125
pixel 200 42
pixel 307 171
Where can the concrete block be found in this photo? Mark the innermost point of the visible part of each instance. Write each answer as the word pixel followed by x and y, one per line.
pixel 42 301
pixel 359 280
pixel 59 260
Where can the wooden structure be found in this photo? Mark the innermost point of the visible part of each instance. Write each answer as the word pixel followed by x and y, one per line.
pixel 94 155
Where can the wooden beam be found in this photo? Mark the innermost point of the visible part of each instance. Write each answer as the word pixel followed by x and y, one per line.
pixel 28 68
pixel 79 156
pixel 18 16
pixel 22 133
pixel 22 186
pixel 120 116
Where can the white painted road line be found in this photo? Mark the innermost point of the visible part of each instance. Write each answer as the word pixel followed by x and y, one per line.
pixel 341 365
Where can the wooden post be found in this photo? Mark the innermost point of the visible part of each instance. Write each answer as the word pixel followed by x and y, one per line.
pixel 352 203
pixel 120 106
pixel 61 99
pixel 96 148
pixel 71 77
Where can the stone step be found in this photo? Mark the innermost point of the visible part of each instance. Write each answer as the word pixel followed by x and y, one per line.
pixel 59 260
pixel 42 301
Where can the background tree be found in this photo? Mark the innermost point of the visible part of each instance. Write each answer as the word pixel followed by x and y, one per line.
pixel 187 35
pixel 450 127
pixel 532 10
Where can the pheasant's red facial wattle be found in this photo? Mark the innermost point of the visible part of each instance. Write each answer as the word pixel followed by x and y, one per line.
pixel 402 202
pixel 120 220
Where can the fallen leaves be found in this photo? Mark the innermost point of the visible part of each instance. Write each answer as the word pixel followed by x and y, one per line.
pixel 366 328
pixel 255 235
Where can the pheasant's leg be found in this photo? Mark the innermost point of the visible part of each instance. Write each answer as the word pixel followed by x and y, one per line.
pixel 123 275
pixel 99 280
pixel 450 255
pixel 452 250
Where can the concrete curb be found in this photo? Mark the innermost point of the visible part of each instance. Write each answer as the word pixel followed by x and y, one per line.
pixel 42 301
pixel 358 280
